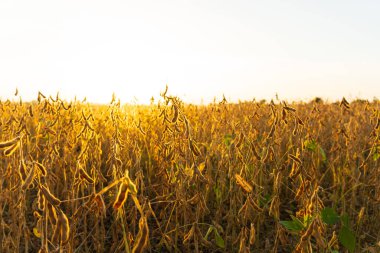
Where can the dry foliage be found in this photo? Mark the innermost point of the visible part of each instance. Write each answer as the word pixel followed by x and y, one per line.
pixel 171 177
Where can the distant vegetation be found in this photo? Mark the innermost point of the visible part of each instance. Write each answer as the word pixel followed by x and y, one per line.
pixel 171 177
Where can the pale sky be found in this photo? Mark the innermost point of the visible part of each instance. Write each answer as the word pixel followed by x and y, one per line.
pixel 201 49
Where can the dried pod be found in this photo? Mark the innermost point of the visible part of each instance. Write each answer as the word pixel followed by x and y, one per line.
pixel 194 148
pixel 176 113
pixel 333 243
pixel 85 176
pixel 299 121
pixel 289 108
pixel 274 207
pixel 28 180
pixel 40 200
pixel 252 235
pixel 100 204
pixel 65 227
pixel 295 130
pixel 57 233
pixel 194 200
pixel 243 184
pixel 41 168
pixel 121 196
pixel 55 149
pixel 30 111
pixel 142 236
pixel 10 150
pixel 255 205
pixel 295 158
pixel 242 245
pixel 52 213
pixel 344 103
pixel 296 170
pixel 265 156
pixel 244 207
pixel 300 191
pixel 131 185
pixel 189 235
pixel 22 170
pixel 37 215
pixel 9 143
pixel 272 129
pixel 49 196
pixel 240 140
pixel 284 116
pixel 253 148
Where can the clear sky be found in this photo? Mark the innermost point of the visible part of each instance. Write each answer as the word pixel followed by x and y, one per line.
pixel 201 49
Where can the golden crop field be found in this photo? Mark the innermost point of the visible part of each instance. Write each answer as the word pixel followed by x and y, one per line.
pixel 172 177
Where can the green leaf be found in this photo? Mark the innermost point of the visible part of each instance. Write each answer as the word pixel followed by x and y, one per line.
pixel 210 229
pixel 307 220
pixel 227 139
pixel 264 200
pixel 329 216
pixel 218 194
pixel 334 251
pixel 250 168
pixel 291 225
pixel 267 198
pixel 323 154
pixel 347 239
pixel 219 240
pixel 376 156
pixel 297 221
pixel 310 145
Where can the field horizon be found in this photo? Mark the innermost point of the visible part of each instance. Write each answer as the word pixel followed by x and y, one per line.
pixel 157 98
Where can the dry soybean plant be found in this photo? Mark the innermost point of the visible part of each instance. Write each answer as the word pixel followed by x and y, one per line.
pixel 174 177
